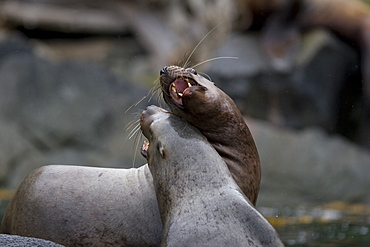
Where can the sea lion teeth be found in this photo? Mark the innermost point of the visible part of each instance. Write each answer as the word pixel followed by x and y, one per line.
pixel 173 88
pixel 180 94
pixel 144 149
pixel 189 84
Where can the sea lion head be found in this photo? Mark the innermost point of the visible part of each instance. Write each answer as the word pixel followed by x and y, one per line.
pixel 195 98
pixel 163 129
pixel 150 115
pixel 174 147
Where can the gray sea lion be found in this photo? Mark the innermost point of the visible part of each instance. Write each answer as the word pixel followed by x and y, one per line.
pixel 86 206
pixel 99 206
pixel 199 202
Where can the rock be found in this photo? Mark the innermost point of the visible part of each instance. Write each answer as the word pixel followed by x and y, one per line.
pixel 322 86
pixel 49 107
pixel 309 167
pixel 18 241
pixel 158 25
pixel 14 147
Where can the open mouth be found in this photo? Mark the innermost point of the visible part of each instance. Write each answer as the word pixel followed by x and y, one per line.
pixel 179 87
pixel 144 149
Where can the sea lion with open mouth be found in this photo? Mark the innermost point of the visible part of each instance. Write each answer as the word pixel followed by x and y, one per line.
pixel 87 206
pixel 196 99
pixel 199 202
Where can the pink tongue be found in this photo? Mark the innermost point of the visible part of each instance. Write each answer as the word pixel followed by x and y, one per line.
pixel 180 85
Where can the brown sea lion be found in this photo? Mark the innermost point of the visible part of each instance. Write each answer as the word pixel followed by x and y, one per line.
pixel 87 206
pixel 196 99
pixel 199 202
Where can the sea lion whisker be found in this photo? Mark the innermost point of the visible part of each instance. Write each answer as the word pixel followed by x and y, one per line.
pixel 134 131
pixel 155 90
pixel 206 75
pixel 160 98
pixel 138 140
pixel 131 126
pixel 157 84
pixel 150 92
pixel 138 102
pixel 133 122
pixel 199 43
pixel 212 59
pixel 164 90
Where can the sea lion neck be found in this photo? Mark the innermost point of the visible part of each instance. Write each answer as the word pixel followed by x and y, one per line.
pixel 175 161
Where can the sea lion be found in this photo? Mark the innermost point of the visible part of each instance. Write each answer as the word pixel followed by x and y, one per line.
pixel 86 206
pixel 196 99
pixel 123 202
pixel 199 202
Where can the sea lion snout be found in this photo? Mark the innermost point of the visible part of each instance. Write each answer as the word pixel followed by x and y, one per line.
pixel 179 84
pixel 153 114
pixel 163 71
pixel 147 117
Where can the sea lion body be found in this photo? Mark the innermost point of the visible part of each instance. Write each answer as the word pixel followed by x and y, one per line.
pixel 199 202
pixel 121 203
pixel 86 206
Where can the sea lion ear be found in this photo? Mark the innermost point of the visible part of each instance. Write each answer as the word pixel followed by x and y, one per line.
pixel 161 150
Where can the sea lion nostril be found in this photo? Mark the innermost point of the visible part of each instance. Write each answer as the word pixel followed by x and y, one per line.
pixel 163 71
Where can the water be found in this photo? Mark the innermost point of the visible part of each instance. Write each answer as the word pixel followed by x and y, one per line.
pixel 333 225
pixel 337 224
pixel 320 235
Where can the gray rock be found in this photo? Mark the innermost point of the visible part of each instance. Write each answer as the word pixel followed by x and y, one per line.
pixel 309 167
pixel 18 241
pixel 47 108
pixel 320 85
pixel 14 147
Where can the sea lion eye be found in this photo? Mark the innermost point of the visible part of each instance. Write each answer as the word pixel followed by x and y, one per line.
pixel 191 70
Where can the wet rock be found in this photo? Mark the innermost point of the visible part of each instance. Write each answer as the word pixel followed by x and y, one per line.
pixel 309 167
